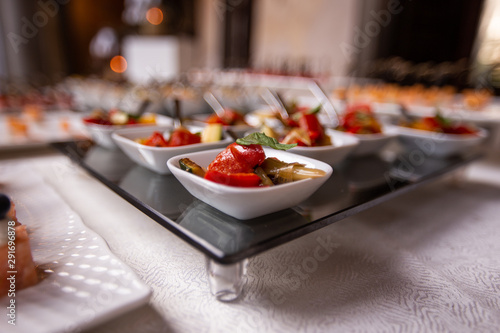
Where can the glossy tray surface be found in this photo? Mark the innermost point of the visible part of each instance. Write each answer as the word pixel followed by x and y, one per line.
pixel 356 184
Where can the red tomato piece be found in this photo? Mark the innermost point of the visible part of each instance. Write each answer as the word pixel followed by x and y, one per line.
pixel 234 179
pixel 461 129
pixel 182 137
pixel 156 140
pixel 297 109
pixel 301 143
pixel 214 119
pixel 238 159
pixel 365 108
pixel 132 121
pixel 354 129
pixel 229 117
pixel 311 124
pixel 97 121
pixel 431 122
pixel 232 116
pixel 291 123
pixel 253 155
pixel 227 163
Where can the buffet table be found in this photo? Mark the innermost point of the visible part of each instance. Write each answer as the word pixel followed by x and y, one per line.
pixel 423 261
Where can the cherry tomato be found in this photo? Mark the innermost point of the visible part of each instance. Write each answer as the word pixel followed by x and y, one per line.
pixel 238 159
pixel 311 124
pixel 233 179
pixel 182 137
pixel 156 140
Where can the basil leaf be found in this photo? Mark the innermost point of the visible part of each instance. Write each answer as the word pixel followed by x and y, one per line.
pixel 263 140
pixel 296 116
pixel 442 120
pixel 314 110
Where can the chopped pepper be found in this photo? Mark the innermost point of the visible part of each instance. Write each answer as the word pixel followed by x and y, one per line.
pixel 181 137
pixel 156 140
pixel 238 159
pixel 234 179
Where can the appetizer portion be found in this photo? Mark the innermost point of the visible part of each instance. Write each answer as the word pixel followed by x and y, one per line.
pixel 117 117
pixel 476 99
pixel 181 136
pixel 306 130
pixel 240 181
pixel 360 119
pixel 440 124
pixel 244 164
pixel 15 251
pixel 230 117
pixel 302 128
pixel 17 126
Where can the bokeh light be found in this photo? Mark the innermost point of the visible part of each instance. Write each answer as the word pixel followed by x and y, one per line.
pixel 118 64
pixel 154 15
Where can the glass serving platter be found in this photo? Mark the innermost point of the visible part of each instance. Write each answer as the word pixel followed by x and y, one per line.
pixel 356 184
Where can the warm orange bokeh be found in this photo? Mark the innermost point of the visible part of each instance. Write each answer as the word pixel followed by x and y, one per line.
pixel 118 64
pixel 154 15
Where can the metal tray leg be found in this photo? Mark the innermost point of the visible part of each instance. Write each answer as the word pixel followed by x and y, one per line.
pixel 226 281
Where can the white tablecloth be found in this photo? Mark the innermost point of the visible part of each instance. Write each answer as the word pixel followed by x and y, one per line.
pixel 427 261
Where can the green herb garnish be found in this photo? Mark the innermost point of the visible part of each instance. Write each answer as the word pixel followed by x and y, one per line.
pixel 314 110
pixel 296 116
pixel 263 140
pixel 442 120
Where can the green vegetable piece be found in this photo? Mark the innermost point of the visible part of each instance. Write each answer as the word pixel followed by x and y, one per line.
pixel 296 116
pixel 442 120
pixel 263 140
pixel 314 110
pixel 282 172
pixel 291 106
pixel 266 181
pixel 190 166
pixel 211 133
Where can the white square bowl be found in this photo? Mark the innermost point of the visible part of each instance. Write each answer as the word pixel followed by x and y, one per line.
pixel 371 144
pixel 101 134
pixel 436 144
pixel 249 202
pixel 155 158
pixel 342 145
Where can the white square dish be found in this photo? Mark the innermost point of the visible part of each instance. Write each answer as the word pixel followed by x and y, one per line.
pixel 246 203
pixel 370 144
pixel 101 134
pixel 77 265
pixel 342 145
pixel 437 144
pixel 155 158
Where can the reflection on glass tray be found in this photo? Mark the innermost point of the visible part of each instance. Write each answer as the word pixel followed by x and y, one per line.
pixel 356 184
pixel 230 234
pixel 163 192
pixel 406 167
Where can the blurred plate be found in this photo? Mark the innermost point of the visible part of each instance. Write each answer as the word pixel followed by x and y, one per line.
pixel 54 126
pixel 371 144
pixel 437 144
pixel 83 283
pixel 101 134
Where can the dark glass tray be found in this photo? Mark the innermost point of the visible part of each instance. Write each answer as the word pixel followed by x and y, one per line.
pixel 356 184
